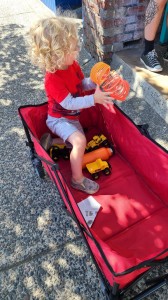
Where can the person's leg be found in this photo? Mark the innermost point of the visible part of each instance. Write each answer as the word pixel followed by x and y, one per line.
pixel 71 132
pixel 153 16
pixel 79 182
pixel 165 56
pixel 152 19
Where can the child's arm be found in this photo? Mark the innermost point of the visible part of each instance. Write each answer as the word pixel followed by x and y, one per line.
pixel 74 103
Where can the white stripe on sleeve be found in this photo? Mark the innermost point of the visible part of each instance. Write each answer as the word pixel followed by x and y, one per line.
pixel 72 103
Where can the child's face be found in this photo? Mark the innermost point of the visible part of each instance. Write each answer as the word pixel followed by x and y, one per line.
pixel 69 58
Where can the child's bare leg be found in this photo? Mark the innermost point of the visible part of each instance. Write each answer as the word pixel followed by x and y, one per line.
pixel 78 141
pixel 79 182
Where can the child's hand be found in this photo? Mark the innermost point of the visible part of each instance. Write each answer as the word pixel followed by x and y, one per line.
pixel 103 98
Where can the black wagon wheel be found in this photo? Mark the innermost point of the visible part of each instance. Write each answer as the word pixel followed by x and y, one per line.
pixel 38 167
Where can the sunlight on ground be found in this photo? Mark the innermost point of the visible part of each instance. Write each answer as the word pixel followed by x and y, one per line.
pixel 48 267
pixel 19 131
pixel 62 262
pixel 136 87
pixel 52 276
pixel 71 234
pixel 17 229
pixel 162 142
pixel 52 281
pixel 31 285
pixel 158 81
pixel 12 275
pixel 44 220
pixel 5 102
pixel 67 292
pixel 74 249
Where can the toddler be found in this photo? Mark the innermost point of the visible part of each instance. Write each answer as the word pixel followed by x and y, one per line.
pixel 55 48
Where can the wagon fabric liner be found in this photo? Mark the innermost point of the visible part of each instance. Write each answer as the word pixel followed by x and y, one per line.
pixel 129 235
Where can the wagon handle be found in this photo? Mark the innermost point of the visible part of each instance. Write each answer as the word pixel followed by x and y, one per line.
pixel 54 166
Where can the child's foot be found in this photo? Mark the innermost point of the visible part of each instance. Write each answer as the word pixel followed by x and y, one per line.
pixel 88 186
pixel 46 141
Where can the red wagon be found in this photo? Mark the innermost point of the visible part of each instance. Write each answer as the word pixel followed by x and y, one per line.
pixel 129 236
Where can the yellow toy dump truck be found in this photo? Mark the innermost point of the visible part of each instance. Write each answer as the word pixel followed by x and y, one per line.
pixel 97 141
pixel 97 166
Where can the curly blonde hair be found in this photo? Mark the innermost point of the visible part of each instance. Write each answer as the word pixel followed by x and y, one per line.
pixel 50 40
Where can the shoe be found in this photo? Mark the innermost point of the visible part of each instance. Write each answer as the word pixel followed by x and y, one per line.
pixel 88 186
pixel 150 61
pixel 46 141
pixel 165 56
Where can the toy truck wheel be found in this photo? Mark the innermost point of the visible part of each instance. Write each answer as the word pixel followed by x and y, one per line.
pixel 55 158
pixel 66 157
pixel 107 171
pixel 95 176
pixel 92 148
pixel 105 144
pixel 66 154
pixel 54 153
pixel 112 147
pixel 95 147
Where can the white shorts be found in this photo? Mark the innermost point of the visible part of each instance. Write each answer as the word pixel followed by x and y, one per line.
pixel 63 127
